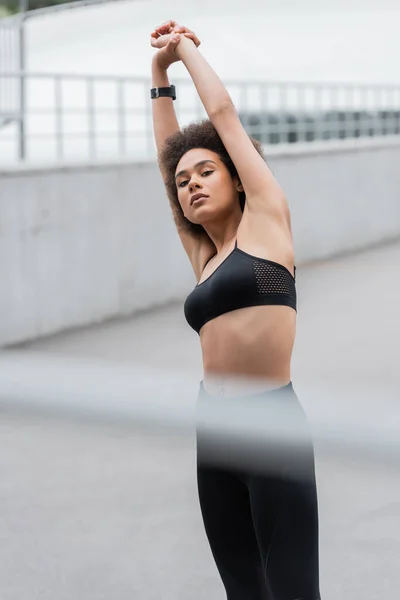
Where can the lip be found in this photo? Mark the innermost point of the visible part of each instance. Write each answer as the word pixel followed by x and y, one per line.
pixel 196 197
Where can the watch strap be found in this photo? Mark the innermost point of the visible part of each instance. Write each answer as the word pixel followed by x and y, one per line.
pixel 163 92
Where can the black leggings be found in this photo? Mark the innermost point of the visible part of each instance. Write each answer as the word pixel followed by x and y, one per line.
pixel 262 522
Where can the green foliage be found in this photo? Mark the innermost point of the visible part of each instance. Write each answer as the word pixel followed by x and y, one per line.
pixel 12 6
pixel 4 12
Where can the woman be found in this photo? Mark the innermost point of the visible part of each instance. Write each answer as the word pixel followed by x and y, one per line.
pixel 234 223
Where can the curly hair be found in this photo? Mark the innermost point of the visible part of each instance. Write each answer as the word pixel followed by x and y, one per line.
pixel 200 134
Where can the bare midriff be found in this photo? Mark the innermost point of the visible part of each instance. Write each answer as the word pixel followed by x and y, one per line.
pixel 248 350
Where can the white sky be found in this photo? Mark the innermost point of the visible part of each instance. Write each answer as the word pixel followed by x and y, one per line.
pixel 257 39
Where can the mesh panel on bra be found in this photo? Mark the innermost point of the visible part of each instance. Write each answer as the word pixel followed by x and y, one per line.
pixel 272 279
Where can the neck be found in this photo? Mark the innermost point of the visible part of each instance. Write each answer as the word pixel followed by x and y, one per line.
pixel 222 233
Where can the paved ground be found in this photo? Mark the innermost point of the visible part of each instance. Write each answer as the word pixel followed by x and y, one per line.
pixel 94 512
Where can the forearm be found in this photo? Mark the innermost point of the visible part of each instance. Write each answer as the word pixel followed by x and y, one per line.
pixel 210 88
pixel 165 122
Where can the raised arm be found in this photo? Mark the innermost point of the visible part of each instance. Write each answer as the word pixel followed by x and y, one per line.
pixel 165 39
pixel 263 192
pixel 165 122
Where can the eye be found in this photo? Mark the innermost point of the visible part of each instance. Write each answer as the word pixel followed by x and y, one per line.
pixel 206 173
pixel 182 183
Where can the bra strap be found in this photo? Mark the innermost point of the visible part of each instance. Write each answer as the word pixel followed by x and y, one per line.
pixel 206 263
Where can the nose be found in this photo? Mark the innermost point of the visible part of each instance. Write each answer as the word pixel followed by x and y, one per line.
pixel 193 185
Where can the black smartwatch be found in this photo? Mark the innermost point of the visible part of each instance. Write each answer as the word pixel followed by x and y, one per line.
pixel 163 92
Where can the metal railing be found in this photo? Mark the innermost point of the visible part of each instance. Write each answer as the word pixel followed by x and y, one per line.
pixel 13 58
pixel 55 8
pixel 10 39
pixel 83 117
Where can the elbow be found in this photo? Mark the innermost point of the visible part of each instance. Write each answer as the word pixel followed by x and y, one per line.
pixel 222 107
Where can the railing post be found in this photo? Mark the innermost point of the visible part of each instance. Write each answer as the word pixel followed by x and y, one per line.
pixel 23 7
pixel 121 117
pixel 91 117
pixel 59 117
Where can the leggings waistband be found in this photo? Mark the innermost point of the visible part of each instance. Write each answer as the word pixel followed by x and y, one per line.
pixel 285 389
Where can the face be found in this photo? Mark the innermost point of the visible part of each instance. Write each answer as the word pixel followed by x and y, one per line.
pixel 206 189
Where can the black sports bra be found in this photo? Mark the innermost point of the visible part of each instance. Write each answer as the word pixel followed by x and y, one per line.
pixel 240 281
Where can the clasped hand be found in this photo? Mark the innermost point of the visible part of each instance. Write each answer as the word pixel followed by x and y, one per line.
pixel 165 38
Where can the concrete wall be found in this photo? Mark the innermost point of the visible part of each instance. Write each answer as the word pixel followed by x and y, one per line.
pixel 80 244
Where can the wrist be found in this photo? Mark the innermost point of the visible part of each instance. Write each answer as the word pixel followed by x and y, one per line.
pixel 157 65
pixel 186 45
pixel 159 74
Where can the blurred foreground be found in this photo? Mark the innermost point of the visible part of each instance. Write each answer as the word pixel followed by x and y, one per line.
pixel 95 512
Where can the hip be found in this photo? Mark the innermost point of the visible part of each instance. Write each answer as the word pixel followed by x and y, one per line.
pixel 266 431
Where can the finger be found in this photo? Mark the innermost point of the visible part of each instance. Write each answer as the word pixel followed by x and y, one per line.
pixel 176 28
pixel 196 39
pixel 193 37
pixel 173 42
pixel 167 25
pixel 163 29
pixel 186 30
pixel 159 41
pixel 159 34
pixel 182 28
